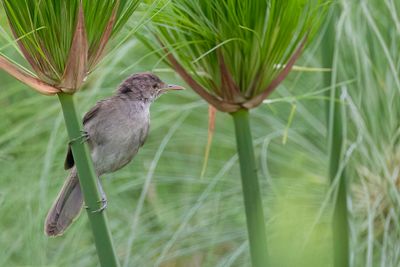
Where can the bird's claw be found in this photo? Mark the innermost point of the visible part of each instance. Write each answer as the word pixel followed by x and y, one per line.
pixel 82 138
pixel 104 204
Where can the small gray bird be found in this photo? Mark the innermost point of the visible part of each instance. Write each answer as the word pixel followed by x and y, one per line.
pixel 115 128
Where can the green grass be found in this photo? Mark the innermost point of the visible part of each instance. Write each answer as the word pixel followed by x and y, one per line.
pixel 370 43
pixel 188 220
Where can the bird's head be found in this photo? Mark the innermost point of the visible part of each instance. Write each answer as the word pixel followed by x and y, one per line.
pixel 145 87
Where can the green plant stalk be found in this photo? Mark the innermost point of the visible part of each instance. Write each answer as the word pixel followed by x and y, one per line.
pixel 251 190
pixel 88 183
pixel 340 223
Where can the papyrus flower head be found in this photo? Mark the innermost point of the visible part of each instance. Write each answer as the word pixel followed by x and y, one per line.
pixel 234 53
pixel 64 40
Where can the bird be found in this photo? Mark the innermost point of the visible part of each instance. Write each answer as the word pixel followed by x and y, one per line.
pixel 114 129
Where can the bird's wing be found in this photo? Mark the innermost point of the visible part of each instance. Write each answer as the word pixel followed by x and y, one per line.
pixel 92 112
pixel 69 159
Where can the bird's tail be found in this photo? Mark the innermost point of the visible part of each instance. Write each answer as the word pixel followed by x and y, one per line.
pixel 66 207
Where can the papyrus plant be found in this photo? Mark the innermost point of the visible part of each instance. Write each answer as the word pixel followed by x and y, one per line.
pixel 234 53
pixel 63 41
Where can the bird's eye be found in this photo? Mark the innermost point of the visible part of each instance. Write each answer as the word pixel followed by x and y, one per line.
pixel 155 86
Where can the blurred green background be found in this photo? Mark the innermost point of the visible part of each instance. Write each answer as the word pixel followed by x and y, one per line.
pixel 162 213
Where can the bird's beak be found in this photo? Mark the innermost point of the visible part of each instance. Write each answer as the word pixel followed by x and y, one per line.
pixel 171 87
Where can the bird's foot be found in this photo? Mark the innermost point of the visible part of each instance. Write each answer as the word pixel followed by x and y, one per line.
pixel 82 138
pixel 104 204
